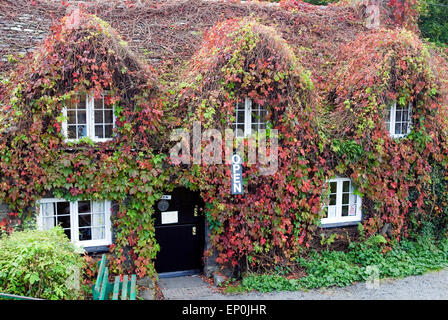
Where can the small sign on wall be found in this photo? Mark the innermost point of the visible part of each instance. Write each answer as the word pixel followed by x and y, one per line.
pixel 352 211
pixel 169 217
pixel 237 175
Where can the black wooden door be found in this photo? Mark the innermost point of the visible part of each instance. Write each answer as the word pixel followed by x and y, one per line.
pixel 179 230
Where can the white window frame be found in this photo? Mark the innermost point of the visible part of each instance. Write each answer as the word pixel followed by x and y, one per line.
pixel 247 118
pixel 74 225
pixel 90 120
pixel 392 121
pixel 338 217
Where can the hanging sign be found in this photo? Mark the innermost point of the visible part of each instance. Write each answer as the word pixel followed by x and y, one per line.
pixel 169 217
pixel 237 175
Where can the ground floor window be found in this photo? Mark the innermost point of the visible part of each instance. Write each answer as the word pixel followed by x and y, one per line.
pixel 85 222
pixel 343 205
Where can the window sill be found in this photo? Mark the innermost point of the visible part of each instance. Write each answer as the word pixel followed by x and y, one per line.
pixel 95 249
pixel 339 224
pixel 398 136
pixel 93 140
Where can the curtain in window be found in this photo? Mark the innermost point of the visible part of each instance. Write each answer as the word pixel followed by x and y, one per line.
pixel 48 215
pixel 98 220
pixel 353 202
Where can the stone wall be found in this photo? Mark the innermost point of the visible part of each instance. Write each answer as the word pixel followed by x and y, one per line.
pixel 4 209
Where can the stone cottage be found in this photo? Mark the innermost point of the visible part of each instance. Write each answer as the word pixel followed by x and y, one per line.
pixel 91 93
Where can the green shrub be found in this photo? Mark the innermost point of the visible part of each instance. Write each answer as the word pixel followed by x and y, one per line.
pixel 41 264
pixel 268 283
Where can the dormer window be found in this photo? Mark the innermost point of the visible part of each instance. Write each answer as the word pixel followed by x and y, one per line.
pixel 399 120
pixel 249 118
pixel 343 206
pixel 89 117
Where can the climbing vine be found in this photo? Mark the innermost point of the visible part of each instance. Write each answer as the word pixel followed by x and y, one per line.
pixel 327 100
pixel 36 160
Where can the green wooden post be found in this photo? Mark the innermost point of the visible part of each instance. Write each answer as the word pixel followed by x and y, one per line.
pixel 104 287
pixel 99 279
pixel 124 289
pixel 116 288
pixel 133 282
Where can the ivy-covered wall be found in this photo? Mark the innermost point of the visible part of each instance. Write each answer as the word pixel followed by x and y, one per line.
pixel 325 79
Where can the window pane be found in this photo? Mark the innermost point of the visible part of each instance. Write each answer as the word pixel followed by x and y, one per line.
pixel 48 209
pixel 82 131
pixel 99 131
pixel 240 116
pixel 398 115
pixel 81 117
pixel 332 199
pixel 57 213
pixel 84 207
pixel 99 103
pixel 48 223
pixel 352 210
pixel 64 221
pixel 71 117
pixel 254 127
pixel 109 116
pixel 82 102
pixel 255 117
pixel 353 198
pixel 68 233
pixel 332 212
pixel 405 115
pixel 84 220
pixel 333 186
pixel 98 207
pixel 71 132
pixel 108 130
pixel 48 213
pixel 63 208
pixel 98 233
pixel 98 116
pixel 344 211
pixel 98 219
pixel 404 128
pixel 240 130
pixel 346 186
pixel 85 234
pixel 345 198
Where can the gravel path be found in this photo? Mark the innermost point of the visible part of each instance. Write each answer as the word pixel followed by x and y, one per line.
pixel 430 286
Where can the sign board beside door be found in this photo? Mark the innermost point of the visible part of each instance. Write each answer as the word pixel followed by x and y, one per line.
pixel 237 175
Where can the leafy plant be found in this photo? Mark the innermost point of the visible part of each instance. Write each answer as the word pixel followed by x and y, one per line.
pixel 433 21
pixel 338 268
pixel 40 264
pixel 327 241
pixel 348 149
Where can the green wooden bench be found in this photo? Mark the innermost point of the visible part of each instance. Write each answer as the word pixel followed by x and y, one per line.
pixel 102 289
